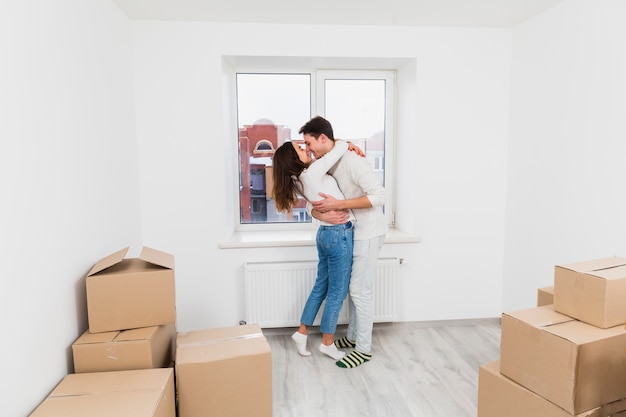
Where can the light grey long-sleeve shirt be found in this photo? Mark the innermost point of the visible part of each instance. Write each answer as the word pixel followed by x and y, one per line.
pixel 356 178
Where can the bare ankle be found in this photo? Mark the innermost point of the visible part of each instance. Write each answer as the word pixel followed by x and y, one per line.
pixel 328 339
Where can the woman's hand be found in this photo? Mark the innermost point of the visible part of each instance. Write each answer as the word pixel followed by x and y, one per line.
pixel 352 147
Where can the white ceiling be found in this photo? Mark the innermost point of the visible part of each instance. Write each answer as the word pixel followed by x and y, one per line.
pixel 468 13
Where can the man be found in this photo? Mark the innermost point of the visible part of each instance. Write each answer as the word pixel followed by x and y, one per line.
pixel 365 196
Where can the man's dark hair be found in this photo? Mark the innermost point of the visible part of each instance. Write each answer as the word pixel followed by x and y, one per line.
pixel 317 126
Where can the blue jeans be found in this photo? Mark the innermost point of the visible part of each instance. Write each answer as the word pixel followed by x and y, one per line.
pixel 334 250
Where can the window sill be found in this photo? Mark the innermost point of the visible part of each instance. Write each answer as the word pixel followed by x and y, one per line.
pixel 271 239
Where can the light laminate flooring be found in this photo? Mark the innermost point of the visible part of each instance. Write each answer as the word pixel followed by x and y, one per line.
pixel 418 369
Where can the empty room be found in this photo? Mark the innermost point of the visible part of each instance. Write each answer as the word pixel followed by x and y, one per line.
pixel 143 133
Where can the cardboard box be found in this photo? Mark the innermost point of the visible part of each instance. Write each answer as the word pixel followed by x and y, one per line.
pixel 131 293
pixel 143 348
pixel 225 372
pixel 138 393
pixel 500 396
pixel 545 296
pixel 592 291
pixel 575 365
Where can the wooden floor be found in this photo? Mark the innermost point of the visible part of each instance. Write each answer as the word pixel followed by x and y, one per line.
pixel 422 369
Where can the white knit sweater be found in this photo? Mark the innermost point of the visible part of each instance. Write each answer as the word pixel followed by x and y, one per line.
pixel 315 178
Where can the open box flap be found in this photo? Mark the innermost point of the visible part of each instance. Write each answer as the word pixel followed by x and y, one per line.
pixel 157 257
pixel 108 261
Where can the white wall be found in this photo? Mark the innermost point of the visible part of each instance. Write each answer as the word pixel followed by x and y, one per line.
pixel 71 185
pixel 68 179
pixel 451 162
pixel 568 140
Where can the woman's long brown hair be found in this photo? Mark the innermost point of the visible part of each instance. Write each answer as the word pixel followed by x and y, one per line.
pixel 287 166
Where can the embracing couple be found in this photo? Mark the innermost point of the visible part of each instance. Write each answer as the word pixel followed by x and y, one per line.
pixel 348 204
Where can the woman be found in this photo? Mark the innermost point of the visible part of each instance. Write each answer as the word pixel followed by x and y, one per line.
pixel 294 174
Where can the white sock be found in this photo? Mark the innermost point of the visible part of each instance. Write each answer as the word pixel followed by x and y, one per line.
pixel 332 351
pixel 300 341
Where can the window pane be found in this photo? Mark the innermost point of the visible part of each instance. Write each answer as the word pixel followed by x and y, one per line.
pixel 356 109
pixel 271 108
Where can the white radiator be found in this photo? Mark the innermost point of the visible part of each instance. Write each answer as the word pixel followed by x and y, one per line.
pixel 277 291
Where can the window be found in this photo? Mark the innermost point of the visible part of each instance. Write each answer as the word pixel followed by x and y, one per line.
pixel 271 108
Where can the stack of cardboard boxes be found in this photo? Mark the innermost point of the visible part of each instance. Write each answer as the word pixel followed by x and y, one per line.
pixel 565 357
pixel 131 309
pixel 132 362
pixel 122 362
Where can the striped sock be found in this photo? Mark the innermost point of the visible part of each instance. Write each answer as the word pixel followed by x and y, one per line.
pixel 354 359
pixel 344 342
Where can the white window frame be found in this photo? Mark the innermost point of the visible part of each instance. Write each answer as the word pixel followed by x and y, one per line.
pixel 390 105
pixel 317 77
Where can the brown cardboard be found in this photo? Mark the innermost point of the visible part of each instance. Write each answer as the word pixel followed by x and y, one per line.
pixel 500 396
pixel 137 393
pixel 225 372
pixel 573 364
pixel 143 348
pixel 131 293
pixel 592 291
pixel 545 296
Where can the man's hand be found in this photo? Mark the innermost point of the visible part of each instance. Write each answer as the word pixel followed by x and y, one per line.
pixel 332 216
pixel 327 204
